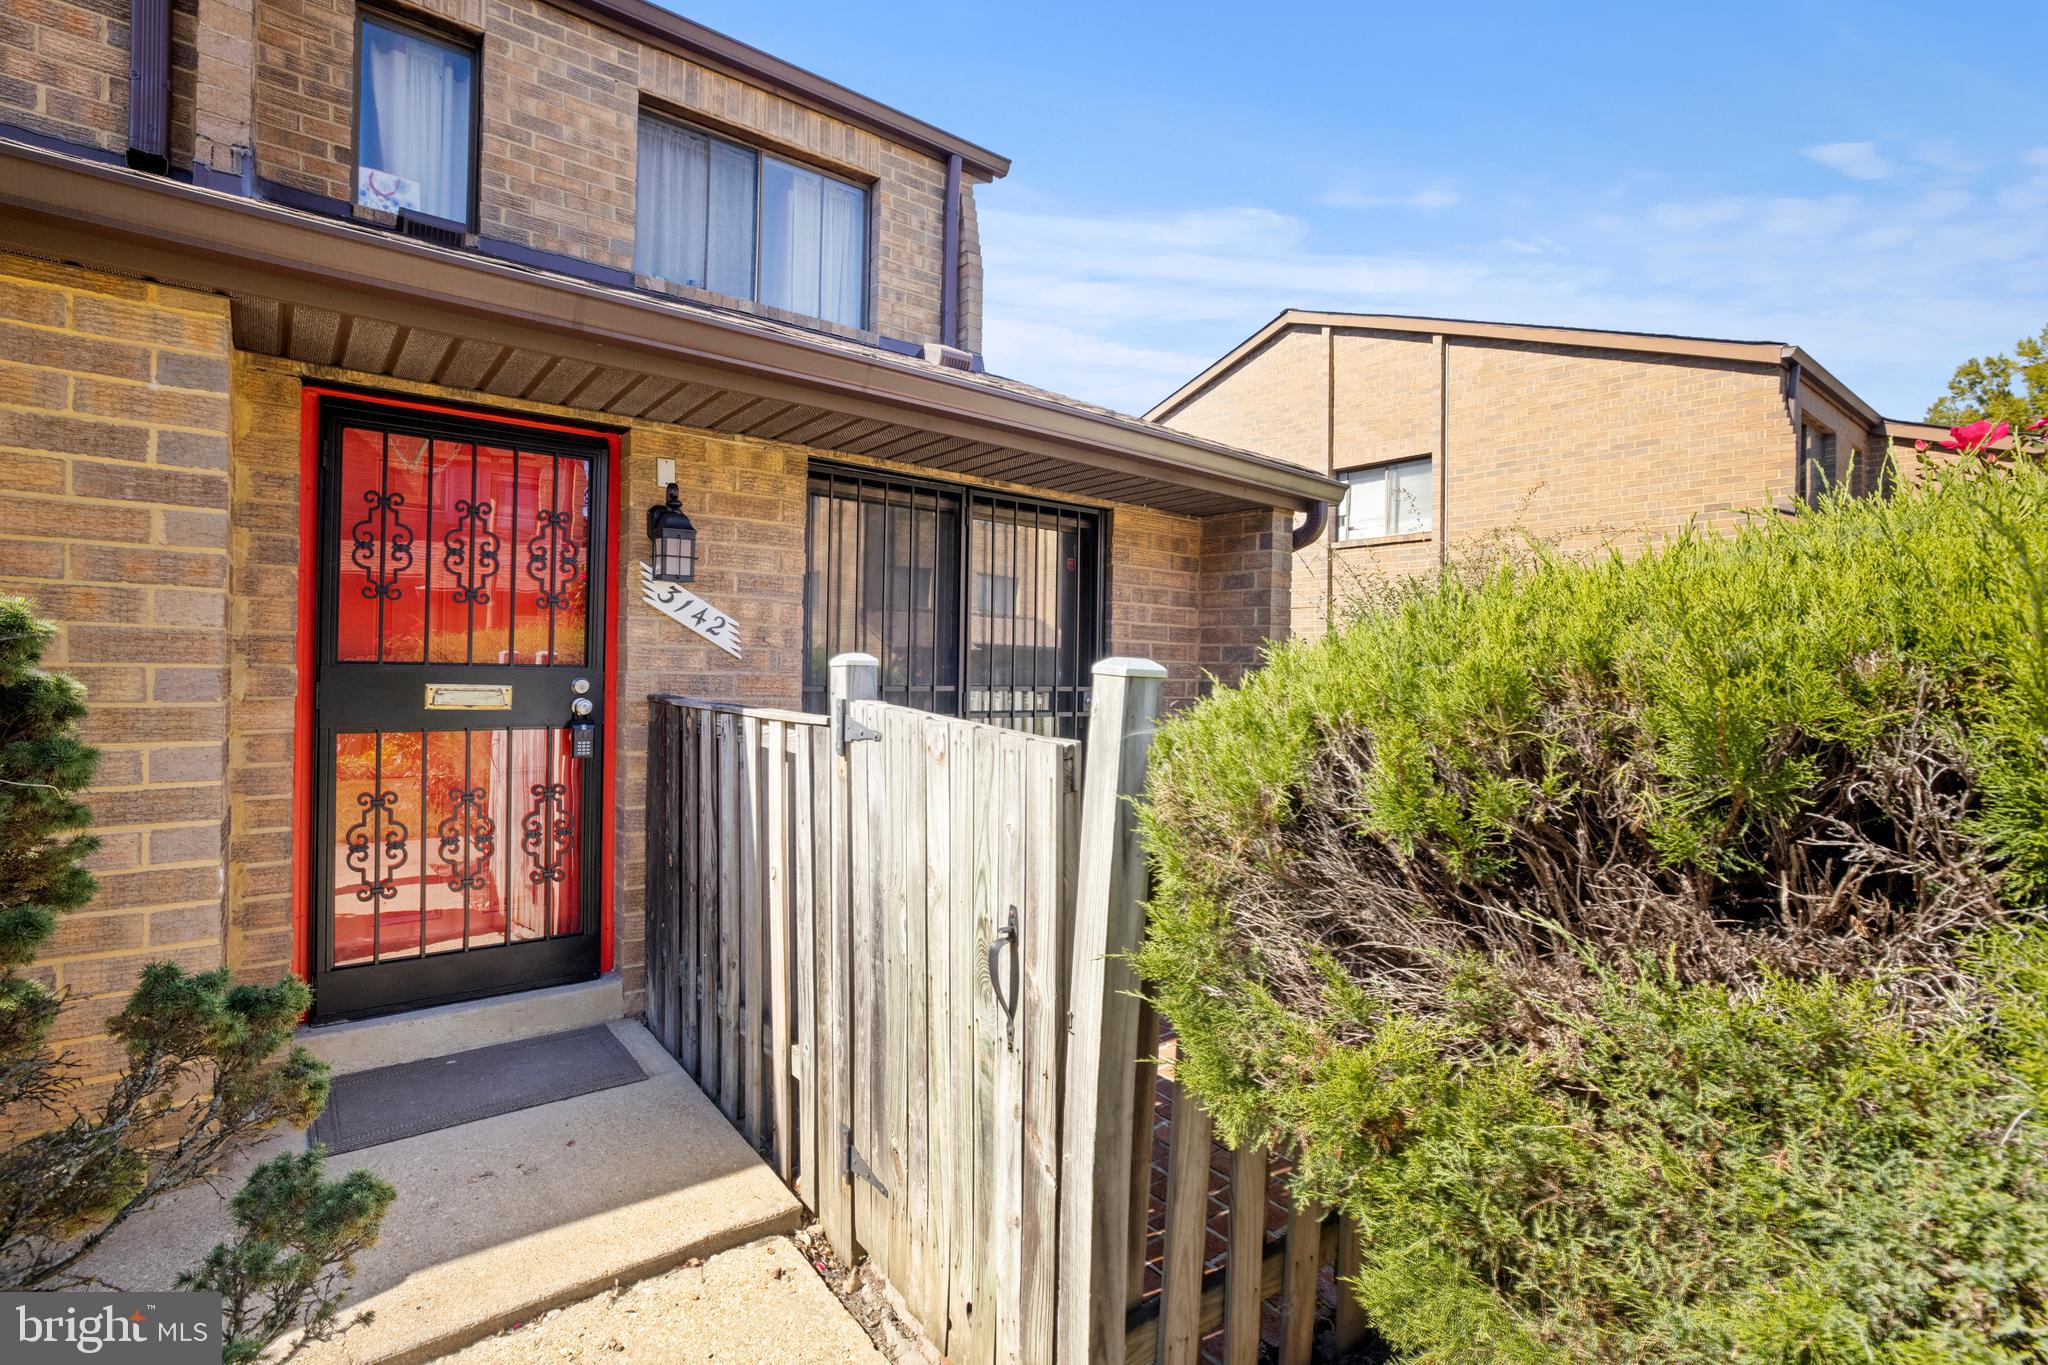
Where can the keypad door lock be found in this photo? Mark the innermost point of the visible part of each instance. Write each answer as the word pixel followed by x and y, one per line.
pixel 582 729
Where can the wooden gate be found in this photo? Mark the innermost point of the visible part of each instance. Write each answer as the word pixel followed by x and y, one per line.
pixel 867 974
pixel 893 946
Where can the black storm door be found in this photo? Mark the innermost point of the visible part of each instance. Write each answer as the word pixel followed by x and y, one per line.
pixel 462 652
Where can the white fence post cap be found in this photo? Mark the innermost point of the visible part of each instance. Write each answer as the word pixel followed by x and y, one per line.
pixel 1129 668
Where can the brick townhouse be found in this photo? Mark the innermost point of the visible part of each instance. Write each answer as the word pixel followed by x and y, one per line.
pixel 350 359
pixel 1449 434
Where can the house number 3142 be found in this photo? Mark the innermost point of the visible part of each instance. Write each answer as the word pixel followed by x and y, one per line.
pixel 680 604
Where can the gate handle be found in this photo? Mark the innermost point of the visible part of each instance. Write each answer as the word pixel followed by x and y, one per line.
pixel 1007 938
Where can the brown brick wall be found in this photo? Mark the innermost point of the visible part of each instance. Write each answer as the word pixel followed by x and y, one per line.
pixel 1244 590
pixel 114 419
pixel 1276 401
pixel 1580 447
pixel 561 100
pixel 971 289
pixel 1155 595
pixel 1586 448
pixel 64 70
pixel 263 628
pixel 560 133
pixel 224 52
pixel 1855 442
pixel 303 110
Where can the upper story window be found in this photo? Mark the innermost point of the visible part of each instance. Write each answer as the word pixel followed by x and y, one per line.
pixel 415 122
pixel 1817 468
pixel 1386 500
pixel 725 218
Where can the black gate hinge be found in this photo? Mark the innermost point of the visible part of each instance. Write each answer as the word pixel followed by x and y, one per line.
pixel 856 1164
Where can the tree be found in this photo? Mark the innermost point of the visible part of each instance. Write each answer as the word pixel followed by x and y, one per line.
pixel 1983 388
pixel 202 1077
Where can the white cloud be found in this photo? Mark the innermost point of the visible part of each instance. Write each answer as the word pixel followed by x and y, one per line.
pixel 1858 160
pixel 1890 286
pixel 2037 156
pixel 1435 196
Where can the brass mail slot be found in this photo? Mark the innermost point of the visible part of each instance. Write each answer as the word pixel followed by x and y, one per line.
pixel 467 697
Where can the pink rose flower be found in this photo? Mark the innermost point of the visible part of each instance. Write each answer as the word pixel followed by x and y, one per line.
pixel 1976 435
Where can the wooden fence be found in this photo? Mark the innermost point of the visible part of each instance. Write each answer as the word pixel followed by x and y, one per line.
pixel 891 946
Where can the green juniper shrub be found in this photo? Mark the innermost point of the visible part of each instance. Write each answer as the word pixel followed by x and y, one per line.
pixel 202 1076
pixel 1647 952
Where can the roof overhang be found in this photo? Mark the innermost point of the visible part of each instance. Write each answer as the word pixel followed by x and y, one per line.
pixel 1809 368
pixel 1647 343
pixel 354 297
pixel 713 48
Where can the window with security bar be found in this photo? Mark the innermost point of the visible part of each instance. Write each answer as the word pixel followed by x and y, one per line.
pixel 976 604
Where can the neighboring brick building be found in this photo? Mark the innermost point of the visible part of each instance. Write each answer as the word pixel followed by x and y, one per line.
pixel 269 339
pixel 1452 434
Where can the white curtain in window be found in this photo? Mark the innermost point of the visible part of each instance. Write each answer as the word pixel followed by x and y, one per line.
pixel 1363 513
pixel 730 267
pixel 791 203
pixel 842 268
pixel 669 226
pixel 416 117
pixel 1412 496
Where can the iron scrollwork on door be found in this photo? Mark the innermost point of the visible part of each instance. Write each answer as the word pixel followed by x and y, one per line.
pixel 553 559
pixel 469 836
pixel 376 845
pixel 547 829
pixel 381 544
pixel 470 552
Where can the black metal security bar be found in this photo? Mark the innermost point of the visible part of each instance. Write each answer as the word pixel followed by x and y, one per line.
pixel 981 605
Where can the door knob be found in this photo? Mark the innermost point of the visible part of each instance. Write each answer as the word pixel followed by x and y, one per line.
pixel 582 706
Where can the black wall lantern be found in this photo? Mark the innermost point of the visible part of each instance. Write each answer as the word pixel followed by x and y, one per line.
pixel 674 541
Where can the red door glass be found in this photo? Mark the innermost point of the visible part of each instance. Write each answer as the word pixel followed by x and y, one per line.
pixel 456 553
pixel 447 839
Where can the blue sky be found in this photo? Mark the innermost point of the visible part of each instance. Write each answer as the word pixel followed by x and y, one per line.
pixel 1865 180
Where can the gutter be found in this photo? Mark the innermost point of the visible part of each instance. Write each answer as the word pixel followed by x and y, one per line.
pixel 266 250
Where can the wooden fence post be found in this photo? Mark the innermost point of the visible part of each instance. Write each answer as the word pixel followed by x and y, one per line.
pixel 1096 1131
pixel 853 677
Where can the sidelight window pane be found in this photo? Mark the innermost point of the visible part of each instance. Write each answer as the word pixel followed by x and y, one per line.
pixel 415 139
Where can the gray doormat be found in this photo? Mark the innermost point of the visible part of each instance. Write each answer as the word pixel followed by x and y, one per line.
pixel 392 1102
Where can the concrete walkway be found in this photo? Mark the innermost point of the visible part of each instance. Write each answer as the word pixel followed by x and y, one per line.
pixel 757 1303
pixel 498 1221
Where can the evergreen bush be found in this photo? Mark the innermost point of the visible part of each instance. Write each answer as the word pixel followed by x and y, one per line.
pixel 1646 951
pixel 202 1077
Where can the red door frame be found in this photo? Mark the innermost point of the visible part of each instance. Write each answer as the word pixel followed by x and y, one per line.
pixel 310 398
